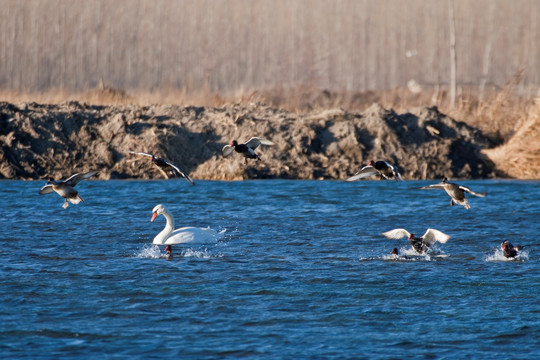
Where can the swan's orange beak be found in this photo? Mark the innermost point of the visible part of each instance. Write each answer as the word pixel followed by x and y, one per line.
pixel 154 216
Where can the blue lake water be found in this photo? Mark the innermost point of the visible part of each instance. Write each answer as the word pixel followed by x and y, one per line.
pixel 302 272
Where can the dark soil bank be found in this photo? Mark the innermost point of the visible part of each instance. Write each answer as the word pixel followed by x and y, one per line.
pixel 53 141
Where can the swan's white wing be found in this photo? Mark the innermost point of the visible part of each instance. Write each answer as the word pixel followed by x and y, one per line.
pixel 431 236
pixel 47 189
pixel 76 178
pixel 464 188
pixel 227 150
pixel 396 234
pixel 192 235
pixel 179 171
pixel 434 186
pixel 364 172
pixel 254 142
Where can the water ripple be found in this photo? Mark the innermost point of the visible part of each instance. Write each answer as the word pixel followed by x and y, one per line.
pixel 302 272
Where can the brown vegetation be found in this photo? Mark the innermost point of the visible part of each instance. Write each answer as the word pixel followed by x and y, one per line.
pixel 519 157
pixel 507 120
pixel 226 45
pixel 56 140
pixel 302 56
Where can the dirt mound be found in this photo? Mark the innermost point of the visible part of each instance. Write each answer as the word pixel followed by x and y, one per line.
pixel 40 141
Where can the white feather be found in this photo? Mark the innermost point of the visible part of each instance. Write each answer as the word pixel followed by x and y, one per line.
pixel 396 234
pixel 431 236
pixel 254 142
pixel 227 150
pixel 364 172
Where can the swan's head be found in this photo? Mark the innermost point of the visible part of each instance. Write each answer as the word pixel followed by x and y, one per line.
pixel 234 143
pixel 158 210
pixel 371 163
pixel 411 237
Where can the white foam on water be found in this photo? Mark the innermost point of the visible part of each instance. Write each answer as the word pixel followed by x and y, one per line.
pixel 200 254
pixel 409 254
pixel 401 257
pixel 149 251
pixel 222 232
pixel 499 256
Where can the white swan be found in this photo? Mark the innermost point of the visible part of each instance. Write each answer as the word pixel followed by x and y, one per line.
pixel 185 235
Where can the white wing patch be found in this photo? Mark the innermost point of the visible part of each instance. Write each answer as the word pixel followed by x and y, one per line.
pixel 227 150
pixel 431 236
pixel 254 142
pixel 464 188
pixel 396 234
pixel 364 172
pixel 47 189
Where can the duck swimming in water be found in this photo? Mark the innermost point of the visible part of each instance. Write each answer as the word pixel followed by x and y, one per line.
pixel 394 255
pixel 65 188
pixel 456 192
pixel 509 250
pixel 167 168
pixel 420 244
pixel 247 149
pixel 381 168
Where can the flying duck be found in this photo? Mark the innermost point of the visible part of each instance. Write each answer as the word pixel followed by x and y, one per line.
pixel 456 192
pixel 381 168
pixel 247 149
pixel 65 188
pixel 167 168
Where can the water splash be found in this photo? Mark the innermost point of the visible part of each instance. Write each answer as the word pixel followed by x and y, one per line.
pixel 221 234
pixel 149 251
pixel 200 254
pixel 392 257
pixel 522 255
pixel 409 254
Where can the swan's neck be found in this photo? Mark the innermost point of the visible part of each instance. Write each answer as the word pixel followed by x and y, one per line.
pixel 169 227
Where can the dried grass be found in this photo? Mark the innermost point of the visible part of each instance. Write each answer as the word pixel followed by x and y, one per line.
pixel 519 157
